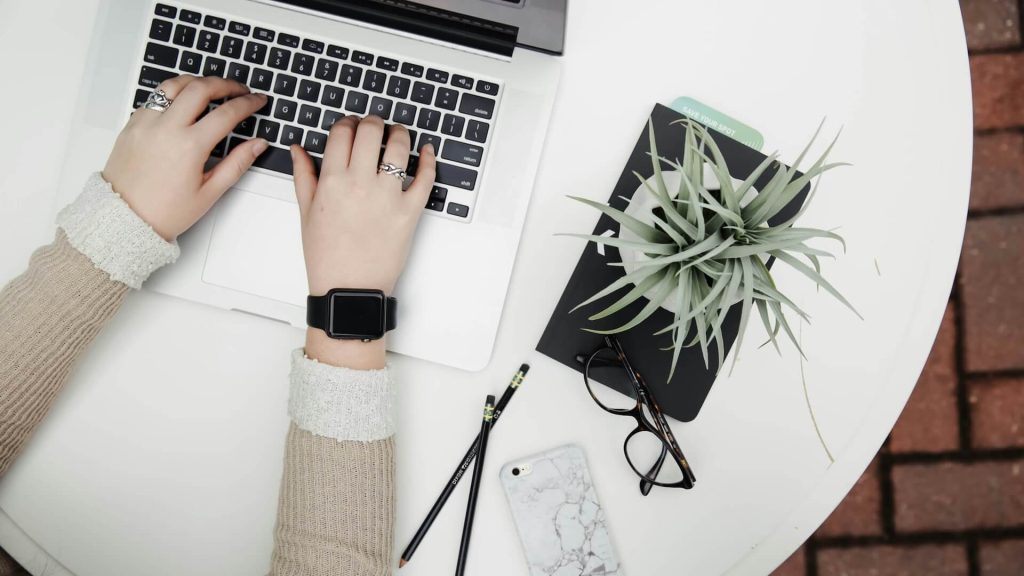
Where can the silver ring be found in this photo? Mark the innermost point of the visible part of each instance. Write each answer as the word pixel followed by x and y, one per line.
pixel 157 101
pixel 391 170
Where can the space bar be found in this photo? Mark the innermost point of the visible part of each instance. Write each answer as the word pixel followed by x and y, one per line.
pixel 276 159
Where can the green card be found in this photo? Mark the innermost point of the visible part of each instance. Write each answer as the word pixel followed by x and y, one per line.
pixel 719 122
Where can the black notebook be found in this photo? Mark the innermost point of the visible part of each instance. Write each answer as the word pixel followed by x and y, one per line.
pixel 565 338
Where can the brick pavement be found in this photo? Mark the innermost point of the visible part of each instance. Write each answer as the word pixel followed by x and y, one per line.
pixel 945 495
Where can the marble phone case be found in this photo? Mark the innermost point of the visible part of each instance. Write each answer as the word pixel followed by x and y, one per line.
pixel 561 524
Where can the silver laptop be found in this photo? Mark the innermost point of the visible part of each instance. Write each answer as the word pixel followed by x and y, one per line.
pixel 475 77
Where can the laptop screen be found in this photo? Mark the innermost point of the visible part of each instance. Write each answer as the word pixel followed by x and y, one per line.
pixel 431 22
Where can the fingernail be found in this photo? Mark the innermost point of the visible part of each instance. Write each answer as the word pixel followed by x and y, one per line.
pixel 430 146
pixel 260 147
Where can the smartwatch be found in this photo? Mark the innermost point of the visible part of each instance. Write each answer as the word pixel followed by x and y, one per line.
pixel 352 314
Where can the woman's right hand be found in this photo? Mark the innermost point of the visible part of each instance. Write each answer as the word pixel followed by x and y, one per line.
pixel 357 225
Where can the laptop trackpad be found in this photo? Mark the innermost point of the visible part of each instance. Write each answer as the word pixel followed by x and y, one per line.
pixel 256 248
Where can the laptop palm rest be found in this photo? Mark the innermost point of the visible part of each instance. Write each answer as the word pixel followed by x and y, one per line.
pixel 256 248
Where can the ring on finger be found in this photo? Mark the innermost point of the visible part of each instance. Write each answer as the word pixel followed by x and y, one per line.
pixel 158 101
pixel 391 170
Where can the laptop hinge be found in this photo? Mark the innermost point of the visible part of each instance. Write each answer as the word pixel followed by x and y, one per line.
pixel 427 21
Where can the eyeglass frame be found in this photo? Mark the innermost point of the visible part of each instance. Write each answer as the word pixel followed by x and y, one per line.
pixel 660 428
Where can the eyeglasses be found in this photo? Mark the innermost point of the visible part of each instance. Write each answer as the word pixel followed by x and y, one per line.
pixel 651 448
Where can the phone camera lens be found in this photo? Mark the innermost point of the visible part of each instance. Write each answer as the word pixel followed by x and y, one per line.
pixel 515 471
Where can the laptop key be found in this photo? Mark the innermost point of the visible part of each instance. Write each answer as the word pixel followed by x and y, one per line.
pixel 165 11
pixel 477 131
pixel 326 70
pixel 453 175
pixel 412 140
pixel 214 22
pixel 232 47
pixel 279 58
pixel 477 106
pixel 435 75
pixel 275 159
pixel 364 58
pixel 405 113
pixel 285 85
pixel 389 64
pixel 208 41
pixel 184 35
pixel 374 81
pixel 429 139
pixel 459 210
pixel 410 69
pixel 315 142
pixel 291 135
pixel 434 204
pixel 452 125
pixel 489 88
pixel 398 87
pixel 268 130
pixel 263 34
pixel 309 115
pixel 238 72
pixel 309 90
pixel 190 17
pixel 303 64
pixel 161 55
pixel 429 119
pixel 239 28
pixel 356 102
pixel 285 110
pixel 463 153
pixel 261 79
pixel 160 30
pixel 313 46
pixel 446 98
pixel 330 117
pixel 335 51
pixel 422 93
pixel 333 96
pixel 464 82
pixel 214 67
pixel 288 40
pixel 381 107
pixel 438 193
pixel 140 97
pixel 255 52
pixel 246 127
pixel 350 75
pixel 190 62
pixel 152 77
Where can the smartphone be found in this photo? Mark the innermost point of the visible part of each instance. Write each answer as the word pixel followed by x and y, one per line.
pixel 561 524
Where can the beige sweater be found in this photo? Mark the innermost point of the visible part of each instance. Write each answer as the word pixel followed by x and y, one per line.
pixel 336 502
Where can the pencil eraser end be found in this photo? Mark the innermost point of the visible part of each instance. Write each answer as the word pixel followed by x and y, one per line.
pixel 524 368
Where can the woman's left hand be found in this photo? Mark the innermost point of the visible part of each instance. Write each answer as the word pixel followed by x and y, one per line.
pixel 158 161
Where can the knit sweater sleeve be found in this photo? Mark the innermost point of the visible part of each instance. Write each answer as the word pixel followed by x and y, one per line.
pixel 52 312
pixel 336 506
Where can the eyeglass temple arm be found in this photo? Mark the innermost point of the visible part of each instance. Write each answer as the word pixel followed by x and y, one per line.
pixel 645 485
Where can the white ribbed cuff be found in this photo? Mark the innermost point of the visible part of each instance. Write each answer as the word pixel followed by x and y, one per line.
pixel 101 225
pixel 341 403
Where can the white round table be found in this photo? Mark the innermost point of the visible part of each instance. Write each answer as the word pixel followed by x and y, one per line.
pixel 163 455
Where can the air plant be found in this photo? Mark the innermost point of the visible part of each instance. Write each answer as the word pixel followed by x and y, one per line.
pixel 704 250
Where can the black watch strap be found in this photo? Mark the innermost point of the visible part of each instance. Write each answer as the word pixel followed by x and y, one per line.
pixel 318 312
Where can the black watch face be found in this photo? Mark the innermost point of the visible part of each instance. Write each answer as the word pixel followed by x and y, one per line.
pixel 357 315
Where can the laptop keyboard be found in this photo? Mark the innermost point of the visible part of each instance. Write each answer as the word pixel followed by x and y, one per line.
pixel 312 83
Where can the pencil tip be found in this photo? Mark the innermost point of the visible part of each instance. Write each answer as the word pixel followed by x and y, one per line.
pixel 402 562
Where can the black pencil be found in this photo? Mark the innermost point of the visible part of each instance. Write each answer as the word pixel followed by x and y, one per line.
pixel 460 471
pixel 474 486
